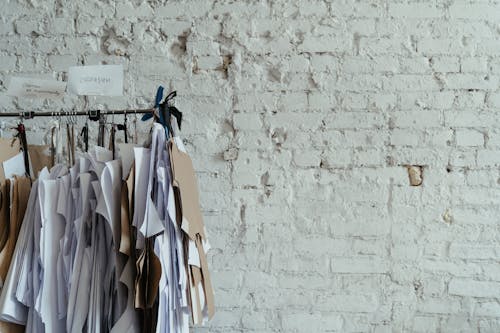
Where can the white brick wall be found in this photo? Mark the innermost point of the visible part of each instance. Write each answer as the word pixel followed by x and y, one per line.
pixel 302 117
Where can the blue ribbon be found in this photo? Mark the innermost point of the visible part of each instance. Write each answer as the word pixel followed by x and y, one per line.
pixel 158 98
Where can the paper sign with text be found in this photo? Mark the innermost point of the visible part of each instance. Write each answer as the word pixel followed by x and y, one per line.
pixel 100 80
pixel 30 87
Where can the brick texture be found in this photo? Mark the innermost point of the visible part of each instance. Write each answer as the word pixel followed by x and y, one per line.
pixel 302 117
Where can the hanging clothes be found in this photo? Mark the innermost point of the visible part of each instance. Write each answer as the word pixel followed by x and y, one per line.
pixel 173 302
pixel 52 291
pixel 39 158
pixel 129 319
pixel 8 149
pixel 191 221
pixel 112 242
pixel 4 213
pixel 12 308
pixel 20 190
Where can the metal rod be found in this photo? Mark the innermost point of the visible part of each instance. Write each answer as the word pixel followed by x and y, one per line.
pixel 32 114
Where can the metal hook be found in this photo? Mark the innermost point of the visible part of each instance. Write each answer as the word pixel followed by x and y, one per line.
pixel 135 126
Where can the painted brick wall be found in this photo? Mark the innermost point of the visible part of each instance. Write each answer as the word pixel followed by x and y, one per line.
pixel 302 117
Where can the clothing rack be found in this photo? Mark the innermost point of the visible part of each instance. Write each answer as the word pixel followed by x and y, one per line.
pixel 92 114
pixel 166 108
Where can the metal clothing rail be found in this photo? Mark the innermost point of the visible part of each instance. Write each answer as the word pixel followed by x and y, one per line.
pixel 92 114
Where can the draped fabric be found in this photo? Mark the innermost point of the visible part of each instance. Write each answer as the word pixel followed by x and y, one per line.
pixel 112 243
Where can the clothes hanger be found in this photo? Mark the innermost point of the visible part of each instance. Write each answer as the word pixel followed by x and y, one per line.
pixel 135 128
pixel 21 135
pixel 68 137
pixel 164 111
pixel 52 143
pixel 101 132
pixel 56 139
pixel 123 127
pixel 112 136
pixel 157 114
pixel 84 134
pixel 71 137
pixel 170 111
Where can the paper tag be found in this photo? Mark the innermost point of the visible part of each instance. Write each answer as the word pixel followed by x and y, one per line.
pixel 14 166
pixel 30 87
pixel 103 154
pixel 180 144
pixel 100 80
pixel 126 152
pixel 193 255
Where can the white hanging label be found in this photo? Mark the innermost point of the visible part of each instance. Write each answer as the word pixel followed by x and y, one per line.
pixel 30 87
pixel 14 166
pixel 100 80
